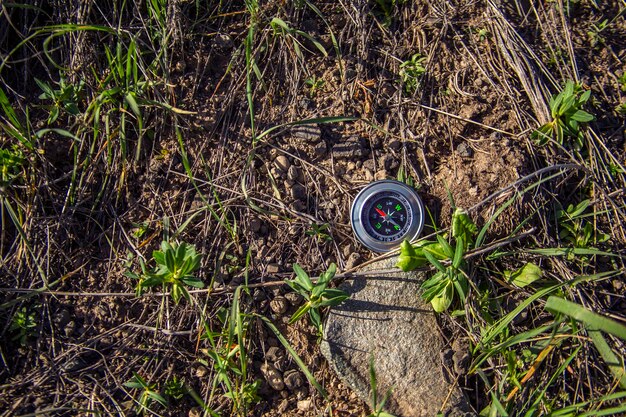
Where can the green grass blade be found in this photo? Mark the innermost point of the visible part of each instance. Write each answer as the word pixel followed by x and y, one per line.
pixel 294 355
pixel 580 313
pixel 612 361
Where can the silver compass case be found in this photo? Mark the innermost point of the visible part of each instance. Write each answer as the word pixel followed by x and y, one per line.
pixel 362 207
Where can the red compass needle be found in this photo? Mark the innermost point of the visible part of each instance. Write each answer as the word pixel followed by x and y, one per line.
pixel 382 213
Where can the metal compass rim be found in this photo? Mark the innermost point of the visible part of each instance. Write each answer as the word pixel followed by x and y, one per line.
pixel 370 192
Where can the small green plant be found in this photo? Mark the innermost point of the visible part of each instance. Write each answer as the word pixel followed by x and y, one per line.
pixel 65 98
pixel 483 34
pixel 595 33
pixel 148 393
pixel 383 10
pixel 229 359
pixel 175 265
pixel 575 231
pixel 410 72
pixel 315 85
pixel 317 295
pixel 377 406
pixel 320 231
pixel 568 117
pixel 440 288
pixel 621 109
pixel 23 325
pixel 11 162
pixel 175 388
pixel 281 27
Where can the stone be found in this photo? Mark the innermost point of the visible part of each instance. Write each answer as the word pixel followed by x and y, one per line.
pixel 350 148
pixel 255 224
pixel 305 405
pixel 273 377
pixel 308 133
pixel 279 305
pixel 319 149
pixel 298 192
pixel 282 163
pixel 353 260
pixel 464 150
pixel 294 298
pixel 385 319
pixel 274 353
pixel 293 379
pixel 273 268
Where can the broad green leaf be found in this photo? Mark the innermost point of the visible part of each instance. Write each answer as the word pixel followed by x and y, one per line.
pixel 334 300
pixel 442 301
pixel 300 312
pixel 434 261
pixel 302 278
pixel 411 257
pixel 580 313
pixel 314 314
pixel 463 226
pixel 193 282
pixel 524 276
pixel 615 364
pixel 582 116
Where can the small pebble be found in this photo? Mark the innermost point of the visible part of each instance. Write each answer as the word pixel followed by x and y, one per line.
pixel 294 298
pixel 279 305
pixel 305 405
pixel 293 379
pixel 298 192
pixel 201 371
pixel 282 163
pixel 273 377
pixel 274 353
pixel 255 224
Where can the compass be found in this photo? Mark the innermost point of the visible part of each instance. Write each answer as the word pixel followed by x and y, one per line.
pixel 385 213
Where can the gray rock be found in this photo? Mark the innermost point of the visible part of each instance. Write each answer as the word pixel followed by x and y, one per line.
pixel 350 148
pixel 282 163
pixel 464 150
pixel 309 133
pixel 279 305
pixel 298 192
pixel 293 379
pixel 273 377
pixel 305 405
pixel 385 319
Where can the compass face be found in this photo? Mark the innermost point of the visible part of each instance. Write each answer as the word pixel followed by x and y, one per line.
pixel 385 213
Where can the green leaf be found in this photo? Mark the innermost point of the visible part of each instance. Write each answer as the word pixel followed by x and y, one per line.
pixel 580 313
pixel 132 103
pixel 434 261
pixel 463 226
pixel 302 278
pixel 300 312
pixel 616 366
pixel 314 314
pixel 193 282
pixel 333 301
pixel 410 257
pixel 524 276
pixel 582 116
pixel 442 301
pixel 158 398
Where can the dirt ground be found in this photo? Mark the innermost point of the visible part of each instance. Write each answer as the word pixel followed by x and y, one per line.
pixel 462 135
